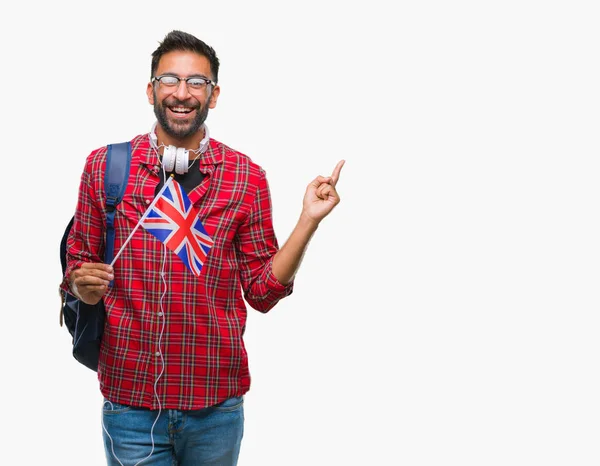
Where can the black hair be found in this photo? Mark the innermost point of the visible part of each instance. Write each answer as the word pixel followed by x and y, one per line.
pixel 179 40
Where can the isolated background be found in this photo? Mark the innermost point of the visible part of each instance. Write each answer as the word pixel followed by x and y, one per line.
pixel 445 313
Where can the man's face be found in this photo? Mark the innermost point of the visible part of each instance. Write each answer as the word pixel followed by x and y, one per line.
pixel 180 112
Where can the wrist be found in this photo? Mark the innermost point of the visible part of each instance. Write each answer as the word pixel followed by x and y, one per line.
pixel 307 222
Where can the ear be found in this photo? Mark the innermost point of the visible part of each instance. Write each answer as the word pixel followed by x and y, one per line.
pixel 150 93
pixel 214 95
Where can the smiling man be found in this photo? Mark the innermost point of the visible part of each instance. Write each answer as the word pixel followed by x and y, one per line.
pixel 180 117
pixel 173 368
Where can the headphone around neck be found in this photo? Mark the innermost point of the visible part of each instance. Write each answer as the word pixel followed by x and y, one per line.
pixel 178 157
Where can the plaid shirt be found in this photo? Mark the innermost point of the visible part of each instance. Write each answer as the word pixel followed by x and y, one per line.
pixel 195 324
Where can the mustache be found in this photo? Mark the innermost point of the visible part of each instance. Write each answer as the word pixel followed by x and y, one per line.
pixel 174 102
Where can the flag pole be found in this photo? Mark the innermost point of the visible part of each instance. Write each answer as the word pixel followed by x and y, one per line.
pixel 142 219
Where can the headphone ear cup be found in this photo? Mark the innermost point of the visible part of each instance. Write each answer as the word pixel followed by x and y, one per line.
pixel 181 164
pixel 168 158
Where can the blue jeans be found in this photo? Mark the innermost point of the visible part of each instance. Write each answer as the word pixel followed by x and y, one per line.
pixel 209 436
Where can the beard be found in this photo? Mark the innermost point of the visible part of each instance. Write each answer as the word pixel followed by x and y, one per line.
pixel 180 129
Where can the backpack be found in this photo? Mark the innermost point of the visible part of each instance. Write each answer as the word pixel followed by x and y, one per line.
pixel 85 322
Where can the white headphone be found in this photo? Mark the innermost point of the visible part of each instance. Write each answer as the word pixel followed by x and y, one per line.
pixel 177 157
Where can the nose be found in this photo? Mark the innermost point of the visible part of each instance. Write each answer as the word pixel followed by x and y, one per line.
pixel 182 92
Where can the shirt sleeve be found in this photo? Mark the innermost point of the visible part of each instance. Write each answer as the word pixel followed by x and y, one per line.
pixel 256 245
pixel 85 242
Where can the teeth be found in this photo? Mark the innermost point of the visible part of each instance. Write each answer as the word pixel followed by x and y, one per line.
pixel 181 109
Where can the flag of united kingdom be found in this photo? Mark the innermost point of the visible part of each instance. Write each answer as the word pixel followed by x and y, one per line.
pixel 173 219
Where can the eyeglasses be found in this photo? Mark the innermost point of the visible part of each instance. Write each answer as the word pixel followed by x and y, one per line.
pixel 195 84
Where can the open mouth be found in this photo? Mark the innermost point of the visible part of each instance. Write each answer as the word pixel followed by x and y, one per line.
pixel 181 112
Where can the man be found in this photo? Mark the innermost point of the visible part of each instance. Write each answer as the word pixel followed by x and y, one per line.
pixel 173 368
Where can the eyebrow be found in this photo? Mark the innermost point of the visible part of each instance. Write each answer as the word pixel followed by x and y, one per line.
pixel 181 77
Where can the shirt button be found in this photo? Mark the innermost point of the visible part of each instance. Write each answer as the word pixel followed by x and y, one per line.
pixel 147 201
pixel 157 354
pixel 160 314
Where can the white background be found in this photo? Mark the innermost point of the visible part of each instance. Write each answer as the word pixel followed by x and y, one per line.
pixel 445 313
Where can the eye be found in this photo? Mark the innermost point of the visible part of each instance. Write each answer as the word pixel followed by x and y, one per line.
pixel 196 83
pixel 169 80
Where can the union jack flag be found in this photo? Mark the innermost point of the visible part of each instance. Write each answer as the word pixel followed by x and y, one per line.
pixel 173 219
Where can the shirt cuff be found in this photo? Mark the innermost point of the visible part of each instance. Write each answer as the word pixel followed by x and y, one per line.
pixel 65 285
pixel 275 285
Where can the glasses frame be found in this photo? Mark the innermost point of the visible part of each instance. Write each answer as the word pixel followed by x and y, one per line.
pixel 206 80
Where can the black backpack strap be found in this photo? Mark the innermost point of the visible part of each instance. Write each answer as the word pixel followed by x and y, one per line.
pixel 116 174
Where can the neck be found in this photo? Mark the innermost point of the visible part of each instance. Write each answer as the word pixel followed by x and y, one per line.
pixel 190 143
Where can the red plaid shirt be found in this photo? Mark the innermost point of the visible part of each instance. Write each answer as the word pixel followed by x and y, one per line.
pixel 205 360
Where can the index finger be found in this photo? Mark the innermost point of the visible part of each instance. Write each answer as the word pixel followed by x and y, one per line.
pixel 97 266
pixel 336 172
